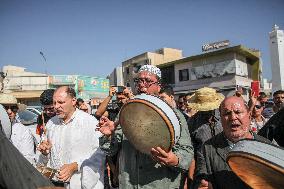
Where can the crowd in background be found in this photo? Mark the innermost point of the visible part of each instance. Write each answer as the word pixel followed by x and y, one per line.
pixel 203 113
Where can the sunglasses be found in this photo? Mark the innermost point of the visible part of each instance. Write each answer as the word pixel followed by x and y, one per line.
pixel 258 106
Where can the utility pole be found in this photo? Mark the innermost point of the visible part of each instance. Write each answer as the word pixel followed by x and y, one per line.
pixel 45 70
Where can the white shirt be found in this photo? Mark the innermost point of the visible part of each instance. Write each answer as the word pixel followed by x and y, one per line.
pixel 77 141
pixel 256 126
pixel 22 139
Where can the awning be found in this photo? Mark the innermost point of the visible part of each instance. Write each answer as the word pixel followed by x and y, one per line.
pixel 26 94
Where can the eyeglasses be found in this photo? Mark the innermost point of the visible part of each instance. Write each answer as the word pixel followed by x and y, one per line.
pixel 258 106
pixel 146 81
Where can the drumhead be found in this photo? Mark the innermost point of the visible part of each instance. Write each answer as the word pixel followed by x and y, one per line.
pixel 258 164
pixel 148 122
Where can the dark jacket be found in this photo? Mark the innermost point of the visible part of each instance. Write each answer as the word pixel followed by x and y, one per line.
pixel 15 171
pixel 201 130
pixel 274 128
pixel 212 166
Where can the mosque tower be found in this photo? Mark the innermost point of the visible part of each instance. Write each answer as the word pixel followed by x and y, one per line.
pixel 276 37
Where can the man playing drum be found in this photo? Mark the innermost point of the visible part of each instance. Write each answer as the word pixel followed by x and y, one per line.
pixel 212 170
pixel 161 169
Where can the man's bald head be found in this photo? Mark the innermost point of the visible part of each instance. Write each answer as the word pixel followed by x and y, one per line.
pixel 234 99
pixel 64 102
pixel 69 91
pixel 235 118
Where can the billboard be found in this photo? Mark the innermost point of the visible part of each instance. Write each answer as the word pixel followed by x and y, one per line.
pixel 88 87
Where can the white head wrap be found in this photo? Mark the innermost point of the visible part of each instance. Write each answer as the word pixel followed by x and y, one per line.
pixel 152 69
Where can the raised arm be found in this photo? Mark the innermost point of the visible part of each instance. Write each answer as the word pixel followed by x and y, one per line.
pixel 103 106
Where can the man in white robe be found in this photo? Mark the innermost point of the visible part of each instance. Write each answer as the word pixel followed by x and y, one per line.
pixel 72 144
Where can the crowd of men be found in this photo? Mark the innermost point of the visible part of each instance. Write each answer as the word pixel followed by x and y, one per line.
pixel 91 151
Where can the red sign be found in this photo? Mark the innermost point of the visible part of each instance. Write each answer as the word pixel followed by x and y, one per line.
pixel 255 88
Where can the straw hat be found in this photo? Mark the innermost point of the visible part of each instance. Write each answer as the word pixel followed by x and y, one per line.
pixel 7 99
pixel 205 99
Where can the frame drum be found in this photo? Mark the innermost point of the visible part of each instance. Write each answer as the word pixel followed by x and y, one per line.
pixel 258 164
pixel 147 121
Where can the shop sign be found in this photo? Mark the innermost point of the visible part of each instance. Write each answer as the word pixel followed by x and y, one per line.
pixel 215 45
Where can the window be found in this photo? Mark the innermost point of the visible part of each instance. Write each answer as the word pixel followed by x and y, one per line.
pixel 127 70
pixel 183 75
pixel 168 75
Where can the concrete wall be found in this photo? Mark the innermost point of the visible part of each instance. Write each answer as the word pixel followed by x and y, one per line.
pixel 220 72
pixel 17 79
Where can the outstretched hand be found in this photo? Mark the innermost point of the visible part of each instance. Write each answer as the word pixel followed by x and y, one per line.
pixel 106 126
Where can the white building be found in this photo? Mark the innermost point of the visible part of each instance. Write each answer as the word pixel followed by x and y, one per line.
pixel 222 69
pixel 25 86
pixel 131 66
pixel 116 77
pixel 277 58
pixel 267 86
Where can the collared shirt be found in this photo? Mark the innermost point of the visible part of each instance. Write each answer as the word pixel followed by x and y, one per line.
pixel 22 139
pixel 77 141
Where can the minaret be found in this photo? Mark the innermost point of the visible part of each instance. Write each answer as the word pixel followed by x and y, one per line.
pixel 277 58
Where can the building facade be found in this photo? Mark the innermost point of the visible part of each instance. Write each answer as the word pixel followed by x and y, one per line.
pixel 25 86
pixel 276 37
pixel 116 77
pixel 131 66
pixel 223 69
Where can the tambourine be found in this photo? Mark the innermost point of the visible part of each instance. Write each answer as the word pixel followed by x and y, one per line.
pixel 258 164
pixel 147 121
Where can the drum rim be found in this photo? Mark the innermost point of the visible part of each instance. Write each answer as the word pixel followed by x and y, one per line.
pixel 253 157
pixel 259 141
pixel 164 117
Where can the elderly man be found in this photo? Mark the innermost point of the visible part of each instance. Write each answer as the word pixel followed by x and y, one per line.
pixel 212 169
pixel 72 144
pixel 161 169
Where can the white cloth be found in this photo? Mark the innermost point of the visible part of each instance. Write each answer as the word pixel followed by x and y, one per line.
pixel 5 122
pixel 22 139
pixel 77 141
pixel 256 126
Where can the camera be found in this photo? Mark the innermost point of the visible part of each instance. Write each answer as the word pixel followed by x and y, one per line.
pixel 119 89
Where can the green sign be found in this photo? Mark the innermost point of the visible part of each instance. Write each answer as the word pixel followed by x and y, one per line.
pixel 92 87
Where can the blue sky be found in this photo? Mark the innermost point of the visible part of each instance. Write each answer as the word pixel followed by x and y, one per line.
pixel 93 37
